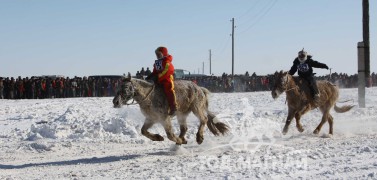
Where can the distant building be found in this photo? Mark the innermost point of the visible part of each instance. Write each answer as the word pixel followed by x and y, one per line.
pixel 181 73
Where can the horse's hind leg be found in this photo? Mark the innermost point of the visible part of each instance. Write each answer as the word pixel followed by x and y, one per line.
pixel 325 116
pixel 169 132
pixel 291 113
pixel 146 133
pixel 183 127
pixel 203 121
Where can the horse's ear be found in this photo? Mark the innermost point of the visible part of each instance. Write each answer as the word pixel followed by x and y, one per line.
pixel 127 78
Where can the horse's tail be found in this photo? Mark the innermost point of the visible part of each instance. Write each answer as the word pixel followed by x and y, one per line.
pixel 214 125
pixel 206 94
pixel 342 109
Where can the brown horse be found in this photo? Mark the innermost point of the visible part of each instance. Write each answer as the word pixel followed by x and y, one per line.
pixel 300 100
pixel 154 106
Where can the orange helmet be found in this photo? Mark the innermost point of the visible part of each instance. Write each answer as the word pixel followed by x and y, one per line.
pixel 161 52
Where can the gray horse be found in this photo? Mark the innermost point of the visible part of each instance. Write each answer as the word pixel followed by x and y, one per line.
pixel 154 106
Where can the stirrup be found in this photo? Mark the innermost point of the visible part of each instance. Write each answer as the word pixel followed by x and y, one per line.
pixel 316 98
pixel 172 111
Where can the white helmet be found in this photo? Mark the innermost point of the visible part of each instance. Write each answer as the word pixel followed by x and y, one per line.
pixel 302 55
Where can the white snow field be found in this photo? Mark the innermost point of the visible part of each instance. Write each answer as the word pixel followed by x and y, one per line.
pixel 86 138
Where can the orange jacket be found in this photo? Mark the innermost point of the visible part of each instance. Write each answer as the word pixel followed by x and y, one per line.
pixel 163 67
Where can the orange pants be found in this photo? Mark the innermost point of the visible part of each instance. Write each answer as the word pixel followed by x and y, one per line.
pixel 168 85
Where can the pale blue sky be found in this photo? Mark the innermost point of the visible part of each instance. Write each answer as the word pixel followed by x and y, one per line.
pixel 91 37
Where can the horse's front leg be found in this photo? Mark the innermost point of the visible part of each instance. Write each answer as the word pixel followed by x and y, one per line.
pixel 298 123
pixel 298 118
pixel 144 130
pixel 290 116
pixel 169 131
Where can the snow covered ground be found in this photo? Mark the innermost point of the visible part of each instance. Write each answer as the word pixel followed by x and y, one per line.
pixel 86 138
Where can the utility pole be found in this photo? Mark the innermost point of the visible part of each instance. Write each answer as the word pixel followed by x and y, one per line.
pixel 203 68
pixel 210 63
pixel 363 51
pixel 232 47
pixel 366 39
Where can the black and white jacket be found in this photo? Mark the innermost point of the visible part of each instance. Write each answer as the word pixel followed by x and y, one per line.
pixel 305 69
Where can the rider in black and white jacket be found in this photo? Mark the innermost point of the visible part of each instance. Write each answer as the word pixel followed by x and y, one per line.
pixel 304 64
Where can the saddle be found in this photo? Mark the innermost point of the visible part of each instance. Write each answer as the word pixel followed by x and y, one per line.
pixel 304 86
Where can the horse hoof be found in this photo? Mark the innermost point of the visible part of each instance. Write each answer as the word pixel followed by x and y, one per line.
pixel 184 141
pixel 285 131
pixel 199 139
pixel 178 141
pixel 315 131
pixel 300 130
pixel 158 137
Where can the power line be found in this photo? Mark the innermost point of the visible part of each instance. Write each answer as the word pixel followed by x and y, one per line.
pixel 221 48
pixel 260 17
pixel 254 15
pixel 224 46
pixel 251 8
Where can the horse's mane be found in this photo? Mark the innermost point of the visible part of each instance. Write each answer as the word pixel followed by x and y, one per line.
pixel 145 83
pixel 141 82
pixel 301 82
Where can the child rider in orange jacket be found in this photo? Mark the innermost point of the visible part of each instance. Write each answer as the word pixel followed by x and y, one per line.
pixel 164 70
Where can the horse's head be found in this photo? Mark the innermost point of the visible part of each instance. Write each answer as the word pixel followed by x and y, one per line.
pixel 126 93
pixel 280 85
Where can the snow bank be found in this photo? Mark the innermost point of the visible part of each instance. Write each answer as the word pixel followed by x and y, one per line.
pixel 86 138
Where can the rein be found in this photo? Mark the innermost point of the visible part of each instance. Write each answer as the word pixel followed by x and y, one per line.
pixel 131 103
pixel 286 90
pixel 290 89
pixel 133 100
pixel 349 100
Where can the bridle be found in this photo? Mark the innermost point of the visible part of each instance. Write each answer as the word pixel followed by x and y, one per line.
pixel 286 90
pixel 132 94
pixel 286 85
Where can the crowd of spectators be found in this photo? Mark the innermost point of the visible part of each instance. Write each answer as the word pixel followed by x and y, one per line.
pixel 57 87
pixel 247 83
pixel 65 87
pixel 143 73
